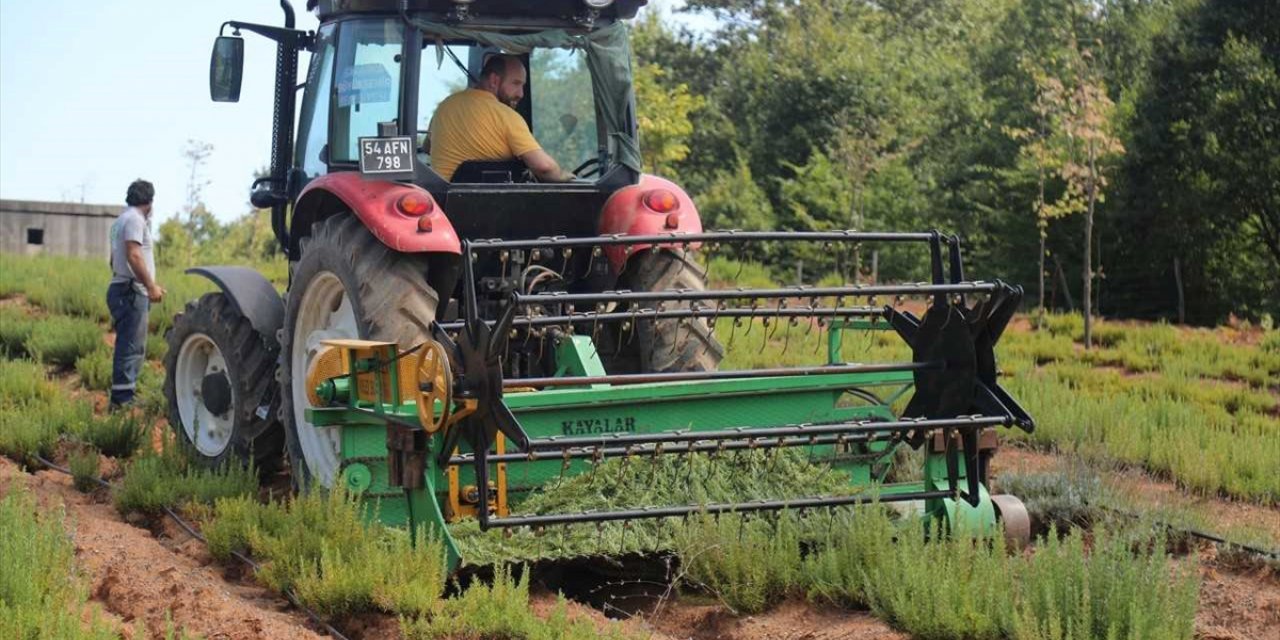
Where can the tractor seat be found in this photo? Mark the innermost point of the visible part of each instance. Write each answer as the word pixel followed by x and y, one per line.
pixel 489 172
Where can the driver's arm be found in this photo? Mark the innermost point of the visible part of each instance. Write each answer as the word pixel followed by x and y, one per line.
pixel 545 167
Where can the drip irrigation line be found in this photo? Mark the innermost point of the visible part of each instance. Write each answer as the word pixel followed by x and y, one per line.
pixel 186 526
pixel 1273 554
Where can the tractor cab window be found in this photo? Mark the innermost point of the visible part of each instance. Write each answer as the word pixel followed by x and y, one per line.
pixel 564 113
pixel 312 130
pixel 367 83
pixel 559 89
pixel 442 76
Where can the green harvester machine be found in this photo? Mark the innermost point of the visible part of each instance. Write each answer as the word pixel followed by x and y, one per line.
pixel 424 429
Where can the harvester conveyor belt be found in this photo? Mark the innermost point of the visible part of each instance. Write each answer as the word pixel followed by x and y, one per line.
pixel 715 446
pixel 710 509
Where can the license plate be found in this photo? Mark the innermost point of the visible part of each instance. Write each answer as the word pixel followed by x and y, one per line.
pixel 388 158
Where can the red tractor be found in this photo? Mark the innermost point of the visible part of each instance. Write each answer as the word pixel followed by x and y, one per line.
pixel 373 235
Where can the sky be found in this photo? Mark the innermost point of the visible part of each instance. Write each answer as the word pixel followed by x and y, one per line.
pixel 93 95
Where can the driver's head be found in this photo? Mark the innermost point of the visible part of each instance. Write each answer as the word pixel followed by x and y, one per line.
pixel 504 76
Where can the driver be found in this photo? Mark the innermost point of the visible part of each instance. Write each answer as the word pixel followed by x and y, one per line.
pixel 481 123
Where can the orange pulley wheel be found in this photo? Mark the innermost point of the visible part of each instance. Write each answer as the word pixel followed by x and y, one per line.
pixel 435 385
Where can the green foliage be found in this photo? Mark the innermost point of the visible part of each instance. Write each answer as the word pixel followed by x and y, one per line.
pixel 154 481
pixel 61 340
pixel 940 586
pixel 94 368
pixel 321 546
pixel 83 463
pixel 668 480
pixel 42 595
pixel 34 412
pixel 1060 499
pixel 118 435
pixel 761 568
pixel 15 327
pixel 501 610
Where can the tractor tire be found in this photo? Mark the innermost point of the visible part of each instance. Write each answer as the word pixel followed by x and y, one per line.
pixel 347 284
pixel 218 371
pixel 672 345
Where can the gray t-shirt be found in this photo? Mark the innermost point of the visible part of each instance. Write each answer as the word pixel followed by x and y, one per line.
pixel 131 226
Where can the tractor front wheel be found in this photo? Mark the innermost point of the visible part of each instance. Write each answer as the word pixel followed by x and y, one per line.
pixel 217 373
pixel 346 285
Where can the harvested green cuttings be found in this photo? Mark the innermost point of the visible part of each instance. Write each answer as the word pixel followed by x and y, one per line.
pixel 666 480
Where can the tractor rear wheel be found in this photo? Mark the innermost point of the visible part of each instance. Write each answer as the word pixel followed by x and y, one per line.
pixel 346 285
pixel 217 371
pixel 671 345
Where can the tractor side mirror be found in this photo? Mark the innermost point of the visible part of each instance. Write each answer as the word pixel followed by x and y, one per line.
pixel 226 69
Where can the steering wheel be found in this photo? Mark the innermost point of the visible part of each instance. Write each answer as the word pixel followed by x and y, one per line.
pixel 582 172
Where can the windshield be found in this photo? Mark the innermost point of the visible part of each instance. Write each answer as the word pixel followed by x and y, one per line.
pixel 561 107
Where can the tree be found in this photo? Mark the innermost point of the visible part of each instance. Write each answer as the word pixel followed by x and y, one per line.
pixel 664 112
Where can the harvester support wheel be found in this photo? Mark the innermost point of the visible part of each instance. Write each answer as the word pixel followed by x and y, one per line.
pixel 669 345
pixel 1014 520
pixel 217 373
pixel 346 285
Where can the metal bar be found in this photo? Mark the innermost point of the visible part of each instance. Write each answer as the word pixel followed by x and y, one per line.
pixel 709 509
pixel 644 378
pixel 858 426
pixel 730 294
pixel 710 236
pixel 581 453
pixel 585 317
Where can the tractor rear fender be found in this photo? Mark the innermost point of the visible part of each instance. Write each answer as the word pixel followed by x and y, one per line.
pixel 637 210
pixel 375 203
pixel 252 296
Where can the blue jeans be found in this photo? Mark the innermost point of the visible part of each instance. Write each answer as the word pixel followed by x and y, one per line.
pixel 129 319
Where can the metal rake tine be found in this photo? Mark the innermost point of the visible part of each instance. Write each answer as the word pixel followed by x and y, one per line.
pixel 751 318
pixel 595 323
pixel 564 264
pixel 786 336
pixel 591 259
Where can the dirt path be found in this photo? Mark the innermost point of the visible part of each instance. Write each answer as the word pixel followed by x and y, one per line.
pixel 145 584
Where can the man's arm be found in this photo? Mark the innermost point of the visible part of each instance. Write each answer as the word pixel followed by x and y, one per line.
pixel 133 254
pixel 545 167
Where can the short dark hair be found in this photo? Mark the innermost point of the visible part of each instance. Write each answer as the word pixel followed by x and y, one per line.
pixel 497 63
pixel 140 192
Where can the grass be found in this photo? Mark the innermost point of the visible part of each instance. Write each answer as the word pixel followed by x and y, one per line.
pixel 15 327
pixel 118 435
pixel 320 546
pixel 1113 584
pixel 156 480
pixel 34 412
pixel 84 466
pixel 501 610
pixel 42 594
pixel 60 340
pixel 95 369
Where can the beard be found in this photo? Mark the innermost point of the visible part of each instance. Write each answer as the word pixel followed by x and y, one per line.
pixel 509 100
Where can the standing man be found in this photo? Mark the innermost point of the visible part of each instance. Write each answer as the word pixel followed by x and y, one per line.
pixel 133 288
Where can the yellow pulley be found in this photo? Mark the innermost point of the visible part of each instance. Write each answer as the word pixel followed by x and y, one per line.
pixel 435 386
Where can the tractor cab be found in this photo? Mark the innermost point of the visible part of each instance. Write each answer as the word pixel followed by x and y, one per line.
pixel 377 72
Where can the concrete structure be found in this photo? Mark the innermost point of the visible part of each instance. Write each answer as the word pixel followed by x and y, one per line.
pixel 61 228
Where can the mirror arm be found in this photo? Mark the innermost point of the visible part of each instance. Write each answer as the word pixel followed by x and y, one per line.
pixel 292 37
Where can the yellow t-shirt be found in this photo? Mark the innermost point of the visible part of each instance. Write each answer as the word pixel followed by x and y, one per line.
pixel 473 125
